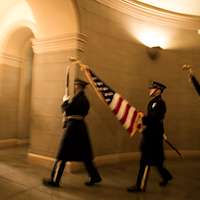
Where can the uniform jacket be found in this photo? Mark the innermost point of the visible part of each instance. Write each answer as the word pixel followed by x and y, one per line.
pixel 195 84
pixel 152 136
pixel 75 144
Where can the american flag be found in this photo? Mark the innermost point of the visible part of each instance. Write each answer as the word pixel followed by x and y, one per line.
pixel 129 117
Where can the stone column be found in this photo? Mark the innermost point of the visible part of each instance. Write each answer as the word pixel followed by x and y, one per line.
pixel 9 99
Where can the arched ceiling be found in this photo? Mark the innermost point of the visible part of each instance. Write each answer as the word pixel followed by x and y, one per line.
pixel 51 18
pixel 153 26
pixel 190 7
pixel 5 5
pixel 46 19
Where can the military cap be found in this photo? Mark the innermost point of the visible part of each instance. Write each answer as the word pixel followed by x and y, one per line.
pixel 155 84
pixel 80 82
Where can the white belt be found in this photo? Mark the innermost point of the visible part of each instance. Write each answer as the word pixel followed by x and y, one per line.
pixel 76 117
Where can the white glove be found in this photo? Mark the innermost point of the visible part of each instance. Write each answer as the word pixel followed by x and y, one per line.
pixel 65 98
pixel 164 136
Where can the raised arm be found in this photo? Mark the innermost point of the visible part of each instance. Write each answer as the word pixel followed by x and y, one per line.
pixel 192 77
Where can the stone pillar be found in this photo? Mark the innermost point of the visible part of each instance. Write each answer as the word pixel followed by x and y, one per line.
pixel 9 99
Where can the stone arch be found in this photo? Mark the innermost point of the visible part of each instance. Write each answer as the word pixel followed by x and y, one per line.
pixel 15 39
pixel 59 18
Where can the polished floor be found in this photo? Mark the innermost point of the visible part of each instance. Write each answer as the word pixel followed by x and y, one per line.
pixel 20 180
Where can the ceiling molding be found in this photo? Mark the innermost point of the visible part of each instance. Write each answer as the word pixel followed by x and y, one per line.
pixel 149 13
pixel 8 59
pixel 60 43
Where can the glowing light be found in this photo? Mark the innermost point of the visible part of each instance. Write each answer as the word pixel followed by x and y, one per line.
pixel 151 39
pixel 152 36
pixel 18 13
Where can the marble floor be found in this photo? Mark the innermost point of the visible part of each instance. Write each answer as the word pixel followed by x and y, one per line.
pixel 20 180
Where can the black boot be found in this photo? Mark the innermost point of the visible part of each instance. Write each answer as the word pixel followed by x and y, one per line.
pixel 134 189
pixel 92 172
pixel 50 183
pixel 93 181
pixel 166 181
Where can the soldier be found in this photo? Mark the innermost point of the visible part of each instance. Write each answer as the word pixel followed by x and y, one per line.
pixel 75 144
pixel 152 151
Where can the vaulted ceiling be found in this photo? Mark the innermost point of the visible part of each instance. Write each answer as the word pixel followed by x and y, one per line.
pixel 184 15
pixel 191 7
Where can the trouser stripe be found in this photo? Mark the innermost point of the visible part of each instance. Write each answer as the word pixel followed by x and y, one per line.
pixel 144 178
pixel 56 170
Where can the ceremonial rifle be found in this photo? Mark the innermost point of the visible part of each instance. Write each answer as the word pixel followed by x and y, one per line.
pixel 172 146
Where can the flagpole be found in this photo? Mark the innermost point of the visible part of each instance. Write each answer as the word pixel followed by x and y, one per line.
pixel 84 69
pixel 67 80
pixel 67 71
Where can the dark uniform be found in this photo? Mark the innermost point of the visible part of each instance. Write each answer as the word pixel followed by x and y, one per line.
pixel 195 84
pixel 152 151
pixel 75 144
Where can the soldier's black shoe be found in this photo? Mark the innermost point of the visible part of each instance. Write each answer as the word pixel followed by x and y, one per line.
pixel 93 181
pixel 134 189
pixel 50 183
pixel 165 182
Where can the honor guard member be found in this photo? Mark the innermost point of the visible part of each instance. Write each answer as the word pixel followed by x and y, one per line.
pixel 152 151
pixel 75 144
pixel 194 80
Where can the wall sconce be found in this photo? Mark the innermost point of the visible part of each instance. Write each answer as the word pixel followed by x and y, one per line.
pixel 153 52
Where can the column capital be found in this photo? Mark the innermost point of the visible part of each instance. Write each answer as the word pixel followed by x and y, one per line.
pixel 63 42
pixel 10 60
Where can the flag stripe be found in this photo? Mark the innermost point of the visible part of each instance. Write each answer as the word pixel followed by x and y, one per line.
pixel 114 101
pixel 129 117
pixel 136 124
pixel 116 110
pixel 130 128
pixel 124 117
pixel 122 109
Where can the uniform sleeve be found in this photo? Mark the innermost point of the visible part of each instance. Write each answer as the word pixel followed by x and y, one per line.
pixel 156 114
pixel 79 105
pixel 195 84
pixel 68 107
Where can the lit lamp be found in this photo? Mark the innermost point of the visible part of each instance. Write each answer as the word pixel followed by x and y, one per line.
pixel 153 52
